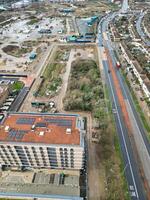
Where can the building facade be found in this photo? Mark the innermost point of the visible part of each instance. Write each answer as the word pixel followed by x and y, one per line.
pixel 42 145
pixel 41 156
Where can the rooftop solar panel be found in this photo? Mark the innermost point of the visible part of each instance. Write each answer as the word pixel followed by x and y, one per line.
pixel 29 121
pixel 20 134
pixel 59 122
pixel 12 133
pixel 41 124
pixel 16 134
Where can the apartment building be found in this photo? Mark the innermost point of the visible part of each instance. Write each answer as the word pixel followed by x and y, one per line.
pixel 42 141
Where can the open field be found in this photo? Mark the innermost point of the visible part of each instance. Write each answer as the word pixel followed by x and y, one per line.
pixel 16 51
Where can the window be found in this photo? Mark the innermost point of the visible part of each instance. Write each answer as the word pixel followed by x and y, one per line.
pixel 61 153
pixel 17 163
pixel 37 162
pixel 45 164
pixel 72 165
pixel 6 163
pixel 21 155
pixel 65 149
pixel 26 148
pixel 52 157
pixel 66 165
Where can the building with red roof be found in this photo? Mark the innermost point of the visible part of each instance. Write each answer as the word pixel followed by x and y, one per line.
pixel 42 140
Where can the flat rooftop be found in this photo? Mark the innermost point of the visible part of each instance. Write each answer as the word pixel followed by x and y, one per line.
pixel 40 128
pixel 40 185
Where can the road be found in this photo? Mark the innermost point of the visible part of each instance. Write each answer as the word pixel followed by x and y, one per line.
pixel 124 7
pixel 18 101
pixel 139 29
pixel 131 170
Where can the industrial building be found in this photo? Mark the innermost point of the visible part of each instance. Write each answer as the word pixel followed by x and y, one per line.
pixel 33 140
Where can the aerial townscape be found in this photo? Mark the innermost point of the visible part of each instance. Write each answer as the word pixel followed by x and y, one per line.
pixel 75 99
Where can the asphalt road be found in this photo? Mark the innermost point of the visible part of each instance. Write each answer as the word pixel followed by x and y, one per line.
pixel 139 29
pixel 20 98
pixel 130 167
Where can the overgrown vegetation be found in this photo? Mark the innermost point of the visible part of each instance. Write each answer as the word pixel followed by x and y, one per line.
pixel 85 90
pixel 51 79
pixel 16 50
pixel 16 87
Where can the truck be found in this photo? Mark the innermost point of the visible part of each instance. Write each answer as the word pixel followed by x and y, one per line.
pixel 118 65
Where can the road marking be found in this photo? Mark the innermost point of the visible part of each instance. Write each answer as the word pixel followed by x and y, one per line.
pixel 123 139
